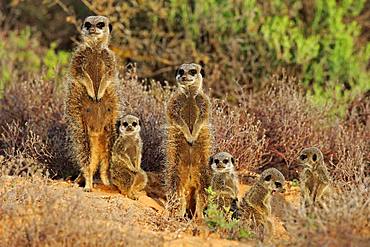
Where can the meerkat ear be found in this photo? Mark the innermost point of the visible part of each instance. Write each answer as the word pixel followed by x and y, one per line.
pixel 202 72
pixel 233 160
pixel 118 124
pixel 110 27
pixel 210 160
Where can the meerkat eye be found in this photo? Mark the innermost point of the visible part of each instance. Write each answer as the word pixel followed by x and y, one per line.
pixel 217 161
pixel 88 109
pixel 181 72
pixel 314 157
pixel 193 72
pixel 100 25
pixel 225 161
pixel 278 185
pixel 134 124
pixel 108 109
pixel 125 124
pixel 87 25
pixel 268 178
pixel 303 157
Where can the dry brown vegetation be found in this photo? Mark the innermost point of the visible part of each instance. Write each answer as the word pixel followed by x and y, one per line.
pixel 261 128
pixel 266 129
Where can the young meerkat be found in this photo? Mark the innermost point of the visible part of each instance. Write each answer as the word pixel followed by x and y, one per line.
pixel 92 102
pixel 188 142
pixel 93 63
pixel 125 170
pixel 314 178
pixel 224 180
pixel 255 207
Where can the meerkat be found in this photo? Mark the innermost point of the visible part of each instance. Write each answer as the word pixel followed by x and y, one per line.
pixel 314 178
pixel 93 63
pixel 92 104
pixel 188 142
pixel 224 180
pixel 255 207
pixel 125 170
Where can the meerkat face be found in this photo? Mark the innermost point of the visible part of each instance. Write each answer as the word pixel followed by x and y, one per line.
pixel 96 30
pixel 129 125
pixel 222 162
pixel 273 180
pixel 310 157
pixel 190 76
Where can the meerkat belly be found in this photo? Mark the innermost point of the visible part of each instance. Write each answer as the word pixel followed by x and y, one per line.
pixel 95 67
pixel 190 112
pixel 98 147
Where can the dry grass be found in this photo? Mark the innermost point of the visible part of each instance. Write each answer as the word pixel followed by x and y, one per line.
pixel 344 221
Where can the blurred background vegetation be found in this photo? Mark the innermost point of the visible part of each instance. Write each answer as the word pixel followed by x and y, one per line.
pixel 323 43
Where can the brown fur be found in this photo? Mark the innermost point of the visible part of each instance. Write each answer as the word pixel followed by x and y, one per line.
pixel 314 178
pixel 93 63
pixel 255 207
pixel 188 145
pixel 91 122
pixel 126 172
pixel 224 180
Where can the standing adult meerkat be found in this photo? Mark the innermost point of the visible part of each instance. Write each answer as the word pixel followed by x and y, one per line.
pixel 125 170
pixel 92 103
pixel 255 207
pixel 224 180
pixel 314 178
pixel 93 63
pixel 188 142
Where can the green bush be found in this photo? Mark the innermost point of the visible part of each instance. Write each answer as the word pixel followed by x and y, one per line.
pixel 23 57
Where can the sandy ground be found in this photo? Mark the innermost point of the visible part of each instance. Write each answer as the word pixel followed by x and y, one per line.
pixel 104 197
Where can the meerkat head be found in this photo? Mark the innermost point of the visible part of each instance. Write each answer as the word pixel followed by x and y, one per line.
pixel 129 125
pixel 95 31
pixel 273 180
pixel 310 157
pixel 222 162
pixel 190 77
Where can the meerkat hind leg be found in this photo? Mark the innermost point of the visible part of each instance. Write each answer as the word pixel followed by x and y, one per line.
pixel 89 172
pixel 104 172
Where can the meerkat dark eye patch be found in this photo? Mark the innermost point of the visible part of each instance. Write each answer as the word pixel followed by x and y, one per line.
pixel 180 72
pixel 314 157
pixel 193 72
pixel 210 161
pixel 88 109
pixel 87 25
pixel 232 160
pixel 100 25
pixel 303 157
pixel 268 178
pixel 108 109
pixel 217 161
pixel 278 185
pixel 125 124
pixel 225 161
pixel 110 28
pixel 134 124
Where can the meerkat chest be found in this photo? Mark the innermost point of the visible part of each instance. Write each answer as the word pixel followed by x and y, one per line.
pixel 218 183
pixel 95 67
pixel 190 111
